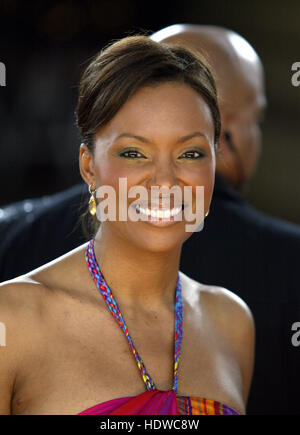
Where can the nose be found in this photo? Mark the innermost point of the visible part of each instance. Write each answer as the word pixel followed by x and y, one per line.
pixel 164 175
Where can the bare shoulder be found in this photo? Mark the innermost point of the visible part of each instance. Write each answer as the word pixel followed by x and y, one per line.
pixel 226 304
pixel 229 320
pixel 24 298
pixel 20 316
pixel 223 307
pixel 20 297
pixel 27 313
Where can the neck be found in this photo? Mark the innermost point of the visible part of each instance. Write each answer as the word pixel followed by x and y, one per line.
pixel 137 277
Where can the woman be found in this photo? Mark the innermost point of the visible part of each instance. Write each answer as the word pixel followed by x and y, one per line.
pixel 147 113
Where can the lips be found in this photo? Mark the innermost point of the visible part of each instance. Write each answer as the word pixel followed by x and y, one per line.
pixel 157 212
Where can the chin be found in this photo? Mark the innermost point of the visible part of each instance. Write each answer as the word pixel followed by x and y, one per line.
pixel 157 239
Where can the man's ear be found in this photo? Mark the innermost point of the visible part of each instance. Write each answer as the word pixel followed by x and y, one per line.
pixel 228 140
pixel 225 154
pixel 86 164
pixel 222 149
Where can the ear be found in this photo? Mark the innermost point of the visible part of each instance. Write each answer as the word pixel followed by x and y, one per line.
pixel 86 164
pixel 222 149
pixel 225 157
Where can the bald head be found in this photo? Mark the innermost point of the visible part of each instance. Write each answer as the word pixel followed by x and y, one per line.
pixel 239 78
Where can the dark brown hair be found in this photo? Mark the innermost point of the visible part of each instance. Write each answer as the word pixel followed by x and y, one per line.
pixel 129 64
pixel 125 66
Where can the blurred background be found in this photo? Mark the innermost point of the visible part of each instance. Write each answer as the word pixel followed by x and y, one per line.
pixel 45 46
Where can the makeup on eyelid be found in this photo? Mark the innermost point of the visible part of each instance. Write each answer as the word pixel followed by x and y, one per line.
pixel 200 153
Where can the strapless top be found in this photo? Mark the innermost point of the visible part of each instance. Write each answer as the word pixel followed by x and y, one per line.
pixel 153 401
pixel 157 402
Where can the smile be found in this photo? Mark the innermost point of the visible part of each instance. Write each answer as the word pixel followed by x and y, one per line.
pixel 163 214
pixel 158 214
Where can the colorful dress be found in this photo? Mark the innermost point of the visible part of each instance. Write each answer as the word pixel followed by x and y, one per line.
pixel 152 401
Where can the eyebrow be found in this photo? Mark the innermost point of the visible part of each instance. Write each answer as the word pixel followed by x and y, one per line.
pixel 145 140
pixel 133 136
pixel 191 136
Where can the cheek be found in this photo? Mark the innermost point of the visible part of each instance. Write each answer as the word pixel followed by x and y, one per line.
pixel 247 135
pixel 208 183
pixel 204 176
pixel 121 178
pixel 108 173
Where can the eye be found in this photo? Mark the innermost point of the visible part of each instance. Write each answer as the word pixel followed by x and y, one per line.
pixel 193 155
pixel 132 154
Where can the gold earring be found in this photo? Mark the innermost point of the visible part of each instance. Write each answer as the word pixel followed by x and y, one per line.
pixel 207 213
pixel 92 201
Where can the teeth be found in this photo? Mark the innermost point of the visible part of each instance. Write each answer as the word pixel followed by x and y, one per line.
pixel 161 214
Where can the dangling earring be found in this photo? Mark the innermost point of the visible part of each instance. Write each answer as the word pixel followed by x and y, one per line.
pixel 92 201
pixel 207 213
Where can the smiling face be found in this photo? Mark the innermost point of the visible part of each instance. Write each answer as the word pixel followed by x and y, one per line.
pixel 162 136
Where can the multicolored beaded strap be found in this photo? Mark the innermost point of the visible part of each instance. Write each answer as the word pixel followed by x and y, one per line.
pixel 114 309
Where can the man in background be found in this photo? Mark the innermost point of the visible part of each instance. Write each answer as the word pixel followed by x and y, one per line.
pixel 239 248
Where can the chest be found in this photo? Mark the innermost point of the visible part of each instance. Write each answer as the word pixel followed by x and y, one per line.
pixel 84 358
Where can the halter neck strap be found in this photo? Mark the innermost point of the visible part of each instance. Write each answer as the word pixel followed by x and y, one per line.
pixel 115 311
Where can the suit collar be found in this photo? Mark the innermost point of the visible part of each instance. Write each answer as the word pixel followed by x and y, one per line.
pixel 225 190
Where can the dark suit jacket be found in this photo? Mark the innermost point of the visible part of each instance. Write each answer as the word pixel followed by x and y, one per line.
pixel 251 254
